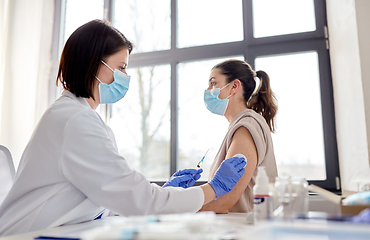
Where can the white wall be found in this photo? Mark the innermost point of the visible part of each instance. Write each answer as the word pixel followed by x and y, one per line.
pixel 363 26
pixel 348 23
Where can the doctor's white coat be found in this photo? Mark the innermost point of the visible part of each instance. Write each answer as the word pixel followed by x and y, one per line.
pixel 71 171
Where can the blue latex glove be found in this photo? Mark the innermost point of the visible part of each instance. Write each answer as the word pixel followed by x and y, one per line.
pixel 184 178
pixel 362 217
pixel 227 175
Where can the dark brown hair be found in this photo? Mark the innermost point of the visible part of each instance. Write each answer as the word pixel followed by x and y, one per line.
pixel 82 53
pixel 264 100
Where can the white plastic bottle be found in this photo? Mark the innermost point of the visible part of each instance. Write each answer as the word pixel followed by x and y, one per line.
pixel 261 196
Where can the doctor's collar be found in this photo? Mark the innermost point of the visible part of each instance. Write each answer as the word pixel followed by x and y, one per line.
pixel 81 100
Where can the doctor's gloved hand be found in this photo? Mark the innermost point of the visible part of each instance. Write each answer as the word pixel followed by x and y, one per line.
pixel 184 178
pixel 228 175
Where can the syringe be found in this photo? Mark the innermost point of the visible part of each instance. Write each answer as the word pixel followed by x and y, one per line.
pixel 201 160
pixel 198 166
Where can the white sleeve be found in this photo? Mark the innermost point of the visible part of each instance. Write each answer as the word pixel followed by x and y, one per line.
pixel 92 164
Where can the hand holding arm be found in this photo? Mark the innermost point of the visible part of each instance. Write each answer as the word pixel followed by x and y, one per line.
pixel 228 175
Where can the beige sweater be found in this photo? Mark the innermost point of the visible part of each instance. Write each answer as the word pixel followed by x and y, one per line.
pixel 261 134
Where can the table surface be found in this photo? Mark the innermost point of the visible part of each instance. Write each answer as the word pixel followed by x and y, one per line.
pixel 203 226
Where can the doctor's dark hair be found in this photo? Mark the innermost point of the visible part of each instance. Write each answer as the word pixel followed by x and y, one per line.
pixel 264 100
pixel 82 53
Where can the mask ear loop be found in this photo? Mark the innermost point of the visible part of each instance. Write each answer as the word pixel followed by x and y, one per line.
pixel 98 79
pixel 224 87
pixel 107 65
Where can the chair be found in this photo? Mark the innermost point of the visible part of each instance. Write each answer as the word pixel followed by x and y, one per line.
pixel 7 172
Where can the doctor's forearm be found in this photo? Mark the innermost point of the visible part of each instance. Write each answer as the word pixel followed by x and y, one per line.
pixel 209 193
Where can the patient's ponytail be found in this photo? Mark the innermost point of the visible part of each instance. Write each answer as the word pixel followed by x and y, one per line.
pixel 264 100
pixel 257 94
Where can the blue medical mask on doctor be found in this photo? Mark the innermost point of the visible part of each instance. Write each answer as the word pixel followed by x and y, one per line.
pixel 213 103
pixel 111 93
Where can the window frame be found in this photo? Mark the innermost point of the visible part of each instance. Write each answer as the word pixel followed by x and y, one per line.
pixel 251 48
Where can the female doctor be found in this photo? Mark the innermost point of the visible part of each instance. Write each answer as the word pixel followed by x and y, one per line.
pixel 71 172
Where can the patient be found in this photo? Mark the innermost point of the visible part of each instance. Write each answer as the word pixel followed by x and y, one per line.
pixel 245 98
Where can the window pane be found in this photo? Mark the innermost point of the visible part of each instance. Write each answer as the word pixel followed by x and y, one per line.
pixel 199 129
pixel 146 22
pixel 278 17
pixel 79 12
pixel 298 141
pixel 209 22
pixel 141 122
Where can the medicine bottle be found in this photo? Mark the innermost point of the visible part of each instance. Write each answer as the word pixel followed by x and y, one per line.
pixel 261 189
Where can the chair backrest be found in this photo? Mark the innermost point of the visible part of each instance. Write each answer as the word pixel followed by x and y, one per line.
pixel 7 172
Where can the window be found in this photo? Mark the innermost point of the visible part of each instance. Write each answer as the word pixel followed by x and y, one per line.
pixel 274 18
pixel 210 21
pixel 141 121
pixel 290 88
pixel 147 23
pixel 162 124
pixel 297 59
pixel 74 18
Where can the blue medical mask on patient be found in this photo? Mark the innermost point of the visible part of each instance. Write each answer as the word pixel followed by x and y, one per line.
pixel 111 93
pixel 213 103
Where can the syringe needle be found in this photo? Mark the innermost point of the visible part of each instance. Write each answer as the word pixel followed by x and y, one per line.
pixel 201 161
pixel 198 166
